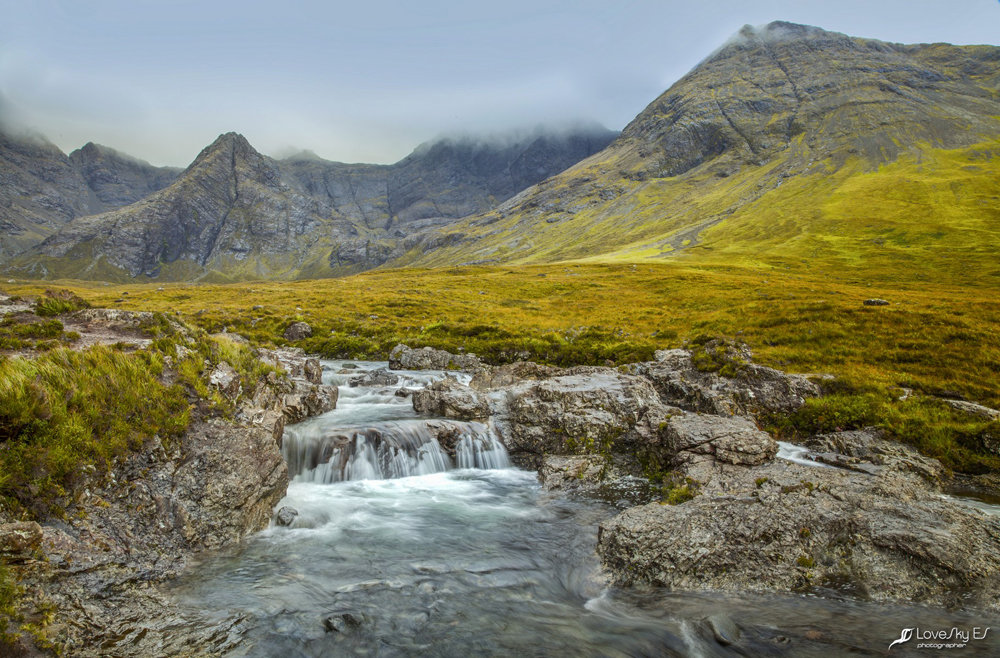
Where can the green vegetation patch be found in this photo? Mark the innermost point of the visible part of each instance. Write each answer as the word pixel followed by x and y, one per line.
pixel 66 415
pixel 58 302
pixel 28 332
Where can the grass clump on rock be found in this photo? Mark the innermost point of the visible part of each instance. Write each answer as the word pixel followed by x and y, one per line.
pixel 67 414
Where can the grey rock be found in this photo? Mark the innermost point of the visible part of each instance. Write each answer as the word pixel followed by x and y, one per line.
pixel 379 377
pixel 313 371
pixel 19 539
pixel 405 358
pixel 298 331
pixel 876 302
pixel 784 527
pixel 730 439
pixel 856 448
pixel 974 409
pixel 226 379
pixel 341 623
pixel 286 516
pixel 724 629
pixel 448 398
pixel 600 477
pixel 756 390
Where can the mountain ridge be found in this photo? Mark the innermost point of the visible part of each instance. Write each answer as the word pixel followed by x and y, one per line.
pixel 778 104
pixel 282 218
pixel 786 143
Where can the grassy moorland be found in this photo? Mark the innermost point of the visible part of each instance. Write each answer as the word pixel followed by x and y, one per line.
pixel 935 339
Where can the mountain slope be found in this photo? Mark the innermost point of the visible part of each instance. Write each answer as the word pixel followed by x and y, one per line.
pixel 236 214
pixel 117 179
pixel 747 154
pixel 42 189
pixel 229 205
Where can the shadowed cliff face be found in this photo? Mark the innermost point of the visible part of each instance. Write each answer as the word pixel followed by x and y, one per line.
pixel 235 213
pixel 773 104
pixel 42 189
pixel 117 179
pixel 230 203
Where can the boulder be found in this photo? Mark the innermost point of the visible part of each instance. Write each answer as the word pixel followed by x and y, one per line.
pixel 449 398
pixel 380 377
pixel 854 449
pixel 754 390
pixel 783 527
pixel 298 331
pixel 876 302
pixel 732 440
pixel 404 358
pixel 597 410
pixel 19 539
pixel 286 516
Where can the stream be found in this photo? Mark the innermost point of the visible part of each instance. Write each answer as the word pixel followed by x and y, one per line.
pixel 401 549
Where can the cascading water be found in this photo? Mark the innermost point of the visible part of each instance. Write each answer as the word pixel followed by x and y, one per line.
pixel 392 449
pixel 415 537
pixel 332 448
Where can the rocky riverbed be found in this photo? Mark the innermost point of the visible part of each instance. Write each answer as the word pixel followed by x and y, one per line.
pixel 94 575
pixel 691 496
pixel 874 524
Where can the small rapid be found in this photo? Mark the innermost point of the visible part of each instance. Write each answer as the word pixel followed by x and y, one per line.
pixel 375 435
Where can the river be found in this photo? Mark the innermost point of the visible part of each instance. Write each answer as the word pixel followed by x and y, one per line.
pixel 399 549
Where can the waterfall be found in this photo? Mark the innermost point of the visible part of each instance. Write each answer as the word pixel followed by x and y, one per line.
pixel 389 449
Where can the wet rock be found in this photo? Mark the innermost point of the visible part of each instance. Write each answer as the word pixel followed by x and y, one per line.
pixel 19 539
pixel 448 398
pixel 724 629
pixel 380 377
pixel 313 371
pixel 341 623
pixel 286 516
pixel 405 392
pixel 784 527
pixel 753 391
pixel 308 400
pixel 598 477
pixel 298 331
pixel 876 302
pixel 404 358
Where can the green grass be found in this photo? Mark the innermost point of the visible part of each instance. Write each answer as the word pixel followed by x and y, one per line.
pixel 938 336
pixel 67 414
pixel 58 302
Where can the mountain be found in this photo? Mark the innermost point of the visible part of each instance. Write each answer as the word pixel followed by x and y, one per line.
pixel 445 179
pixel 42 189
pixel 235 213
pixel 117 179
pixel 788 143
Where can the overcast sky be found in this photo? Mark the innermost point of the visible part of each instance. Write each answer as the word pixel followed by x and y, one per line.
pixel 366 81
